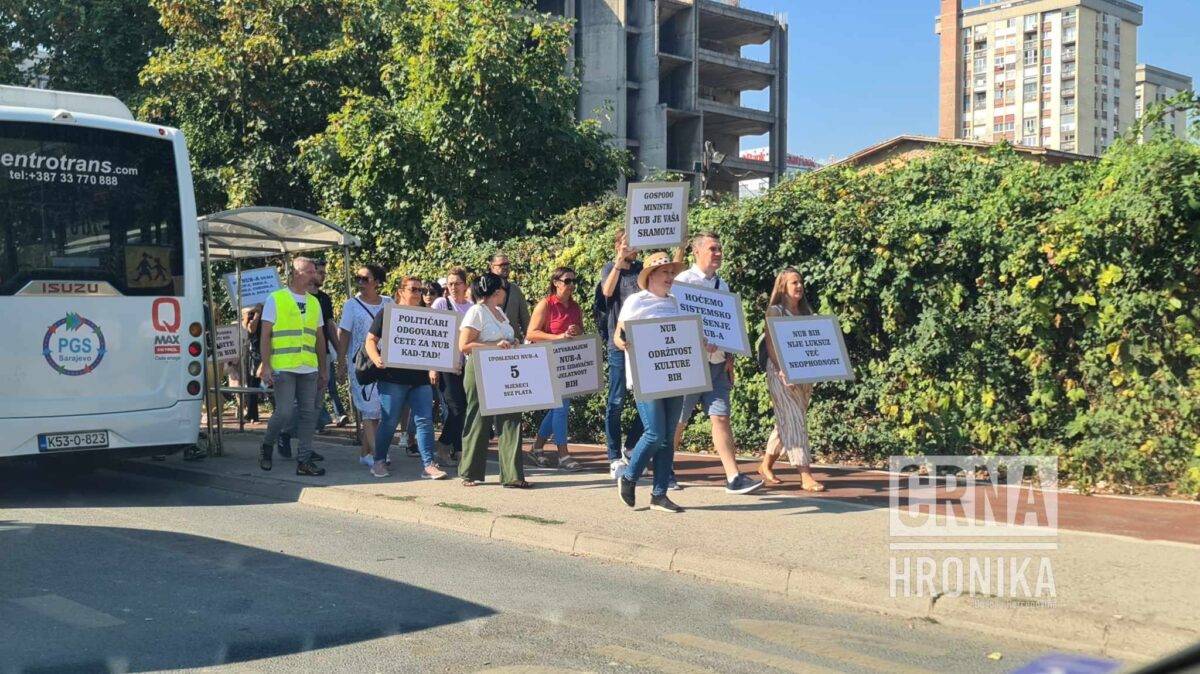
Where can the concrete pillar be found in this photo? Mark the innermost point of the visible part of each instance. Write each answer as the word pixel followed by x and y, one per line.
pixel 779 103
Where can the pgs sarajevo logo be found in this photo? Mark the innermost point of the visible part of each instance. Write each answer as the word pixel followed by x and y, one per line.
pixel 74 345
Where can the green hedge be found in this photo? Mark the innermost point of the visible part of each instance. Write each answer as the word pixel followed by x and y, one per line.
pixel 990 305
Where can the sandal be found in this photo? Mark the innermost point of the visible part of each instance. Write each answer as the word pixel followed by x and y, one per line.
pixel 815 486
pixel 469 483
pixel 518 484
pixel 569 464
pixel 538 458
pixel 770 479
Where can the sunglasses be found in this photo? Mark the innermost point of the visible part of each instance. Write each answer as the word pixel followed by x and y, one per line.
pixel 362 279
pixel 569 281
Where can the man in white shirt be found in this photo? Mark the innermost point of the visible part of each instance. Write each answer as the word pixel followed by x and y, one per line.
pixel 293 362
pixel 706 248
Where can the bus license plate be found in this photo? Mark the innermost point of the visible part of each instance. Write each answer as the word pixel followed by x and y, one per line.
pixel 51 442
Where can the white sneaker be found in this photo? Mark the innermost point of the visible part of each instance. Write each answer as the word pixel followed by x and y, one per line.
pixel 367 460
pixel 617 468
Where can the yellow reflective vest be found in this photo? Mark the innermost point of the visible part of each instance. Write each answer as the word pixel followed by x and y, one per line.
pixel 294 335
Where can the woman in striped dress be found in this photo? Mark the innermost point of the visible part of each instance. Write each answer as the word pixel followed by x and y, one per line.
pixel 790 400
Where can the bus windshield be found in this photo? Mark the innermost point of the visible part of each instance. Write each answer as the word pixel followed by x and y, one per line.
pixel 81 204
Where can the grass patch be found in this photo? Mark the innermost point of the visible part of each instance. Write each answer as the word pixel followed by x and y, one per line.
pixel 462 507
pixel 534 518
pixel 406 499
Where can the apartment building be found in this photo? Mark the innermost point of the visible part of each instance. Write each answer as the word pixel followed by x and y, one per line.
pixel 1058 74
pixel 1154 85
pixel 666 78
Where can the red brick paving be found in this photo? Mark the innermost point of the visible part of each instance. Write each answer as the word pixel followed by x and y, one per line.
pixel 1146 519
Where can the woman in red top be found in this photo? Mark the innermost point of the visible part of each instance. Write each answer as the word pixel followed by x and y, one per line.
pixel 556 317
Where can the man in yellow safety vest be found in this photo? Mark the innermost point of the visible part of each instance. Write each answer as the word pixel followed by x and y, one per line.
pixel 293 362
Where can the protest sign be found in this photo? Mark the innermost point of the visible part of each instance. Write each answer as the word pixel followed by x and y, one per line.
pixel 721 311
pixel 257 284
pixel 576 364
pixel 810 348
pixel 416 338
pixel 228 338
pixel 656 215
pixel 519 379
pixel 667 357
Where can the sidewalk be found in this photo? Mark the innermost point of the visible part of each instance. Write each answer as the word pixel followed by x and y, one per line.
pixel 1122 570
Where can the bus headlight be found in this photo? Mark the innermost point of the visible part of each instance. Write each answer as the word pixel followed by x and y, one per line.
pixel 194 349
pixel 195 329
pixel 194 368
pixel 193 388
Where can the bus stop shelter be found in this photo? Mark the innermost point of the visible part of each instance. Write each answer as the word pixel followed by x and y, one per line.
pixel 257 232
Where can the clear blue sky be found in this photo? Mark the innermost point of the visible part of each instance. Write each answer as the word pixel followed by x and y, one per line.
pixel 862 71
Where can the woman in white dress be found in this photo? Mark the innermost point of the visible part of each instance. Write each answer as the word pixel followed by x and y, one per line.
pixel 357 315
pixel 790 400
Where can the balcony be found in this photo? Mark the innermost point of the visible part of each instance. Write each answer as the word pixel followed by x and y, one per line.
pixel 746 169
pixel 734 26
pixel 725 119
pixel 734 73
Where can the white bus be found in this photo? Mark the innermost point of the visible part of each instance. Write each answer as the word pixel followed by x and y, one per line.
pixel 101 341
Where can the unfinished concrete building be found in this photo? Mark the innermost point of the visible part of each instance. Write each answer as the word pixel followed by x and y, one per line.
pixel 666 79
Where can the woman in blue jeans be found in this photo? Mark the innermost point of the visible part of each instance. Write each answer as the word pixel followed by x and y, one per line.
pixel 399 387
pixel 658 416
pixel 556 317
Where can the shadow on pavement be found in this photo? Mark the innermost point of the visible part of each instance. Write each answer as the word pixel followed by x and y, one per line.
pixel 84 598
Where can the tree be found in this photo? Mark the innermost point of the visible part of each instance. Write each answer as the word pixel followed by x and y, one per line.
pixel 247 80
pixel 475 122
pixel 91 46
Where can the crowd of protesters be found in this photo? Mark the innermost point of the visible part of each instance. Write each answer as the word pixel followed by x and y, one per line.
pixel 297 350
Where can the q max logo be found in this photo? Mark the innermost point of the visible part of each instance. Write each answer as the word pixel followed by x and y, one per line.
pixel 74 345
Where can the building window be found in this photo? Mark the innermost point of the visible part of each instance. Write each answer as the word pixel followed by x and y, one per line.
pixel 1029 125
pixel 1031 89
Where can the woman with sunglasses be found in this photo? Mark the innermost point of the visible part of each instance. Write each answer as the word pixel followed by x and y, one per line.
pixel 451 383
pixel 556 317
pixel 357 315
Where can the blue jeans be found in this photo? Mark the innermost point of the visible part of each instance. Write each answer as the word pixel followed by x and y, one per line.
pixel 392 398
pixel 657 443
pixel 554 424
pixel 614 406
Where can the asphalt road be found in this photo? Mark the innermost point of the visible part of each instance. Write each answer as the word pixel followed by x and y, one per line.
pixel 118 573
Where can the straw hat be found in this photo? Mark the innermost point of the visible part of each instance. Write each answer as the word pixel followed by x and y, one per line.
pixel 655 262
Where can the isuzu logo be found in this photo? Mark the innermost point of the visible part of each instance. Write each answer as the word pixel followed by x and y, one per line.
pixel 73 288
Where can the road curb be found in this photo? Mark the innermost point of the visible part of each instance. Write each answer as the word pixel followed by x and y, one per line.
pixel 1113 636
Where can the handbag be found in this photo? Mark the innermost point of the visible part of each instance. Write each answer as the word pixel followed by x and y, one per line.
pixel 365 371
pixel 760 352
